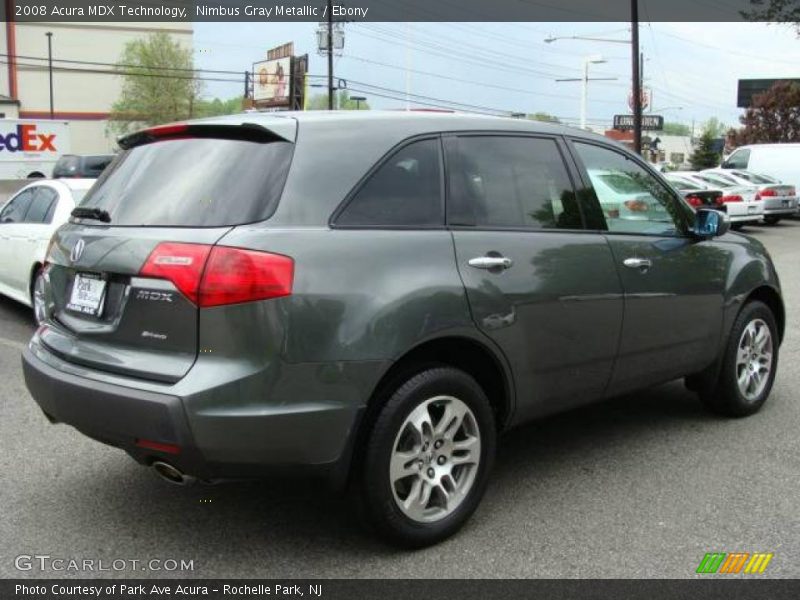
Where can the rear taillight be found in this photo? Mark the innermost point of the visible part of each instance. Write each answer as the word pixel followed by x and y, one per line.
pixel 766 194
pixel 182 264
pixel 731 198
pixel 217 275
pixel 694 201
pixel 636 205
pixel 234 275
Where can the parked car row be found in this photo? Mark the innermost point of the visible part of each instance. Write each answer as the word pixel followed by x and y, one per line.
pixel 747 198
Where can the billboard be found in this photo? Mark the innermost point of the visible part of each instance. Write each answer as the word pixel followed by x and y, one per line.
pixel 272 82
pixel 752 87
pixel 649 122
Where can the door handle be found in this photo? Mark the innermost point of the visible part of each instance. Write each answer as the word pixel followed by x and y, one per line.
pixel 643 264
pixel 491 262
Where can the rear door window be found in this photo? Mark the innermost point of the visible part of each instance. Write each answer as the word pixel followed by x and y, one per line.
pixel 194 182
pixel 405 191
pixel 511 182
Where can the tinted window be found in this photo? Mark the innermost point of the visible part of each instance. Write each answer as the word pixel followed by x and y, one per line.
pixel 738 160
pixel 67 166
pixel 517 182
pixel 198 182
pixel 94 165
pixel 43 199
pixel 404 191
pixel 15 210
pixel 684 184
pixel 631 198
pixel 715 180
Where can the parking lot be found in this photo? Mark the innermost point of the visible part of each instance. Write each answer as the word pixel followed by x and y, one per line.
pixel 641 486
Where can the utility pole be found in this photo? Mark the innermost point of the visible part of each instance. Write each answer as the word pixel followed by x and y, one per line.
pixel 330 54
pixel 636 74
pixel 49 35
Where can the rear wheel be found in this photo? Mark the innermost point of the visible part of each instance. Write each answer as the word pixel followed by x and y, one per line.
pixel 428 457
pixel 748 365
pixel 38 297
pixel 737 226
pixel 771 220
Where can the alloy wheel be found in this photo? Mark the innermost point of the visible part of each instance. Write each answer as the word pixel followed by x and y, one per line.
pixel 754 359
pixel 435 459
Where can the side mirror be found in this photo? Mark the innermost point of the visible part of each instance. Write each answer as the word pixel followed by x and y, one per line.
pixel 710 223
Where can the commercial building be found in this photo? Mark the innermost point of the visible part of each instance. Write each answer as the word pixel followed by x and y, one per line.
pixel 83 89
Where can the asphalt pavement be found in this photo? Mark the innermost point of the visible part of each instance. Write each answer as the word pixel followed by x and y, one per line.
pixel 640 486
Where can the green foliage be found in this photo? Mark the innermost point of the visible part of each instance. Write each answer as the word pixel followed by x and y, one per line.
pixel 676 129
pixel 775 11
pixel 341 101
pixel 158 83
pixel 716 127
pixel 545 117
pixel 217 107
pixel 704 156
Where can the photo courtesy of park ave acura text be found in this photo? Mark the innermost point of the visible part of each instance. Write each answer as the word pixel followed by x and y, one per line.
pixel 356 299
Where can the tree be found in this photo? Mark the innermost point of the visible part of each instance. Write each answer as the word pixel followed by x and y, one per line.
pixel 159 84
pixel 716 127
pixel 676 129
pixel 543 116
pixel 705 155
pixel 341 101
pixel 217 107
pixel 773 117
pixel 775 11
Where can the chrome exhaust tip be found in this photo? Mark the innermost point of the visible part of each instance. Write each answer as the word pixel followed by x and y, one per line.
pixel 172 474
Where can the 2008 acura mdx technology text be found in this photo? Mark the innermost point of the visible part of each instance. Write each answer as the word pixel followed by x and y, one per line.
pixel 375 296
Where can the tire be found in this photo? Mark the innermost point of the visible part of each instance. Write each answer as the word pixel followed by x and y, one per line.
pixel 728 397
pixel 772 220
pixel 37 296
pixel 737 226
pixel 384 484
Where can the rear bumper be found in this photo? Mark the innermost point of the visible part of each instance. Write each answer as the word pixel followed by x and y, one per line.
pixel 216 439
pixel 780 206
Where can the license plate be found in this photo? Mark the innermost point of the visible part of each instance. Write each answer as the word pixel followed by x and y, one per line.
pixel 88 294
pixel 785 203
pixel 752 209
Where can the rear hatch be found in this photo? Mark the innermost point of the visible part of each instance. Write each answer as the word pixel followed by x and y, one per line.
pixel 124 274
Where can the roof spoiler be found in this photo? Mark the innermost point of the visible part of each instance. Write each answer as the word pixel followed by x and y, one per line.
pixel 250 132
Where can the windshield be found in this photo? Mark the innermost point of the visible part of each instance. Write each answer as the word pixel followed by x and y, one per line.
pixel 195 182
pixel 716 180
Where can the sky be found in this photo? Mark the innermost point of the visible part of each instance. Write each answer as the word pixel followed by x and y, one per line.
pixel 691 69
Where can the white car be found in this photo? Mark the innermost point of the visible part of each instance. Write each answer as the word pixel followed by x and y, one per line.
pixel 27 222
pixel 780 200
pixel 740 200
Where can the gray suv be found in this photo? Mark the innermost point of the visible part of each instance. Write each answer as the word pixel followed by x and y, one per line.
pixel 373 297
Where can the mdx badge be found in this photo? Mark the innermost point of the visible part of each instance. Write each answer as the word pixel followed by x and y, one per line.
pixel 153 295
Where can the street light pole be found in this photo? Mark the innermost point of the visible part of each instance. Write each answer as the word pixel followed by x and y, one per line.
pixel 636 78
pixel 330 54
pixel 49 35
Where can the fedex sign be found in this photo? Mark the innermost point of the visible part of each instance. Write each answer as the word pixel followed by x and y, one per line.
pixel 25 137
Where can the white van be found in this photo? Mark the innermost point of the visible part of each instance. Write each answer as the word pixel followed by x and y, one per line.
pixel 31 147
pixel 780 161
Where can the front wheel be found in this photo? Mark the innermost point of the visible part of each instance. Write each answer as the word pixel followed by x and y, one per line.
pixel 428 457
pixel 748 365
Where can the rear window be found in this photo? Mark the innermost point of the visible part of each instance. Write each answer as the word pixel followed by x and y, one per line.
pixel 196 182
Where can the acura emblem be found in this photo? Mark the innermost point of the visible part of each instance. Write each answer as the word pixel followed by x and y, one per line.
pixel 77 251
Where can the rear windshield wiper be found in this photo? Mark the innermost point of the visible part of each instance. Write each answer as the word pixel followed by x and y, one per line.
pixel 98 214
